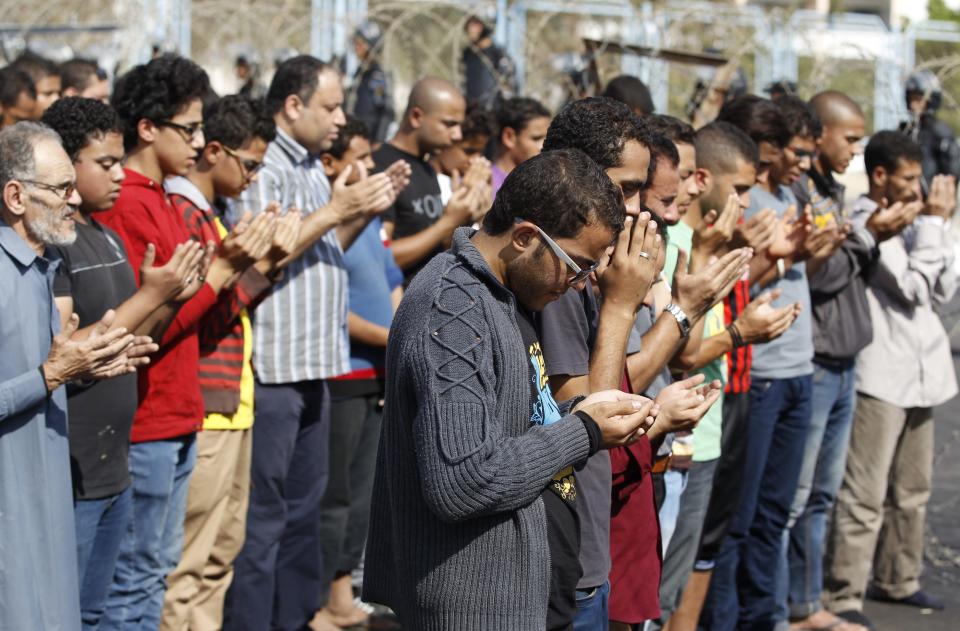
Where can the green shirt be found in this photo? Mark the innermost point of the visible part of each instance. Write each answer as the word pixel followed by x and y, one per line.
pixel 706 436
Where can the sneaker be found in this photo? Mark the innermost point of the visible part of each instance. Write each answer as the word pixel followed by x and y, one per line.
pixel 920 599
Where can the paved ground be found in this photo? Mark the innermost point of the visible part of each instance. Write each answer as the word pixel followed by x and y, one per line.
pixel 942 574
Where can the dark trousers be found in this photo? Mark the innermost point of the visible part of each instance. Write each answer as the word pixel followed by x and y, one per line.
pixel 725 495
pixel 742 592
pixel 278 574
pixel 345 510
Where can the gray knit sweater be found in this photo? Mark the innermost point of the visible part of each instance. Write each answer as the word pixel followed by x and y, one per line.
pixel 458 532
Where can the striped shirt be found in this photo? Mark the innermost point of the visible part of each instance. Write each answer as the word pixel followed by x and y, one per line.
pixel 300 329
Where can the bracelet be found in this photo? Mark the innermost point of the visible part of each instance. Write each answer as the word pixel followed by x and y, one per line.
pixel 735 336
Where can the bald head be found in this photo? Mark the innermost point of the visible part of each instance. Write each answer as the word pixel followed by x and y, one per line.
pixel 435 111
pixel 430 93
pixel 843 129
pixel 833 107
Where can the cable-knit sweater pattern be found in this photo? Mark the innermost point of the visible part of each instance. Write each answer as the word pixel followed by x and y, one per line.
pixel 458 532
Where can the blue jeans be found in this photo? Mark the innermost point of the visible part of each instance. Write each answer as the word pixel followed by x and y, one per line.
pixel 153 541
pixel 592 609
pixel 674 483
pixel 100 526
pixel 743 589
pixel 800 580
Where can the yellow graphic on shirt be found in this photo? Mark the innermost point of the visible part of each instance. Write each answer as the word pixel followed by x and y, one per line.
pixel 565 485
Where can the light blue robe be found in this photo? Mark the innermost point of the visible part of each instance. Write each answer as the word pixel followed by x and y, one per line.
pixel 38 554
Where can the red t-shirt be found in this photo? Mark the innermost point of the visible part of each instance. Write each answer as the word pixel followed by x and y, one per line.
pixel 170 400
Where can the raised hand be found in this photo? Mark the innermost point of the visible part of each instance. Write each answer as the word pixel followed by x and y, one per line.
pixel 713 235
pixel 758 232
pixel 696 292
pixel 399 173
pixel 761 321
pixel 285 239
pixel 888 221
pixel 370 194
pixel 95 357
pixel 625 276
pixel 169 280
pixel 790 234
pixel 249 241
pixel 942 200
pixel 199 275
pixel 683 403
pixel 622 420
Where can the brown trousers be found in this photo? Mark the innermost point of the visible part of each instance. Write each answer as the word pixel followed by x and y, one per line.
pixel 881 507
pixel 213 532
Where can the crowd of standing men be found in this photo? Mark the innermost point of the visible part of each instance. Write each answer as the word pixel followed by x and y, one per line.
pixel 585 371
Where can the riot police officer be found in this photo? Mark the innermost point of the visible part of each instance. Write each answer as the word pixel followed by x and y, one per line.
pixel 373 101
pixel 941 155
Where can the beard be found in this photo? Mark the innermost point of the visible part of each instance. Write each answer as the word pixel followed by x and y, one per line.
pixel 49 226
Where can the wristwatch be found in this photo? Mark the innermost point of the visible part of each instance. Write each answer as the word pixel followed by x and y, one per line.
pixel 682 320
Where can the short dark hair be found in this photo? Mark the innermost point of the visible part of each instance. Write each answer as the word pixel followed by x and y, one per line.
pixel 598 126
pixel 631 91
pixel 298 75
pixel 517 112
pixel 37 66
pixel 157 91
pixel 759 117
pixel 661 148
pixel 79 120
pixel 720 145
pixel 887 148
pixel 676 130
pixel 76 73
pixel 233 120
pixel 354 127
pixel 800 118
pixel 561 191
pixel 479 121
pixel 13 83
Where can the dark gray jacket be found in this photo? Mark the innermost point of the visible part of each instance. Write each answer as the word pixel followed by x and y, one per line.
pixel 458 532
pixel 838 290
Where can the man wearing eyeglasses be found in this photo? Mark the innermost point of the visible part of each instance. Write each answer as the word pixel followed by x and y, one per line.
pixel 160 108
pixel 237 131
pixel 475 526
pixel 38 558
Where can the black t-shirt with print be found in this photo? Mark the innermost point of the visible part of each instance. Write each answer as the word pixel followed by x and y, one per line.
pixel 95 272
pixel 560 496
pixel 418 206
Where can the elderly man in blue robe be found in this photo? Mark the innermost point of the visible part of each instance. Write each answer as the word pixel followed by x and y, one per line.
pixel 38 554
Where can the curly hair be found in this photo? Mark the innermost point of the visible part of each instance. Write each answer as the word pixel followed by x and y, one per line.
pixel 79 120
pixel 157 91
pixel 598 126
pixel 233 120
pixel 561 191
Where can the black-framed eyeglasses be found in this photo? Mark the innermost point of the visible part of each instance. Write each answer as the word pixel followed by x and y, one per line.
pixel 63 191
pixel 190 130
pixel 579 273
pixel 249 166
